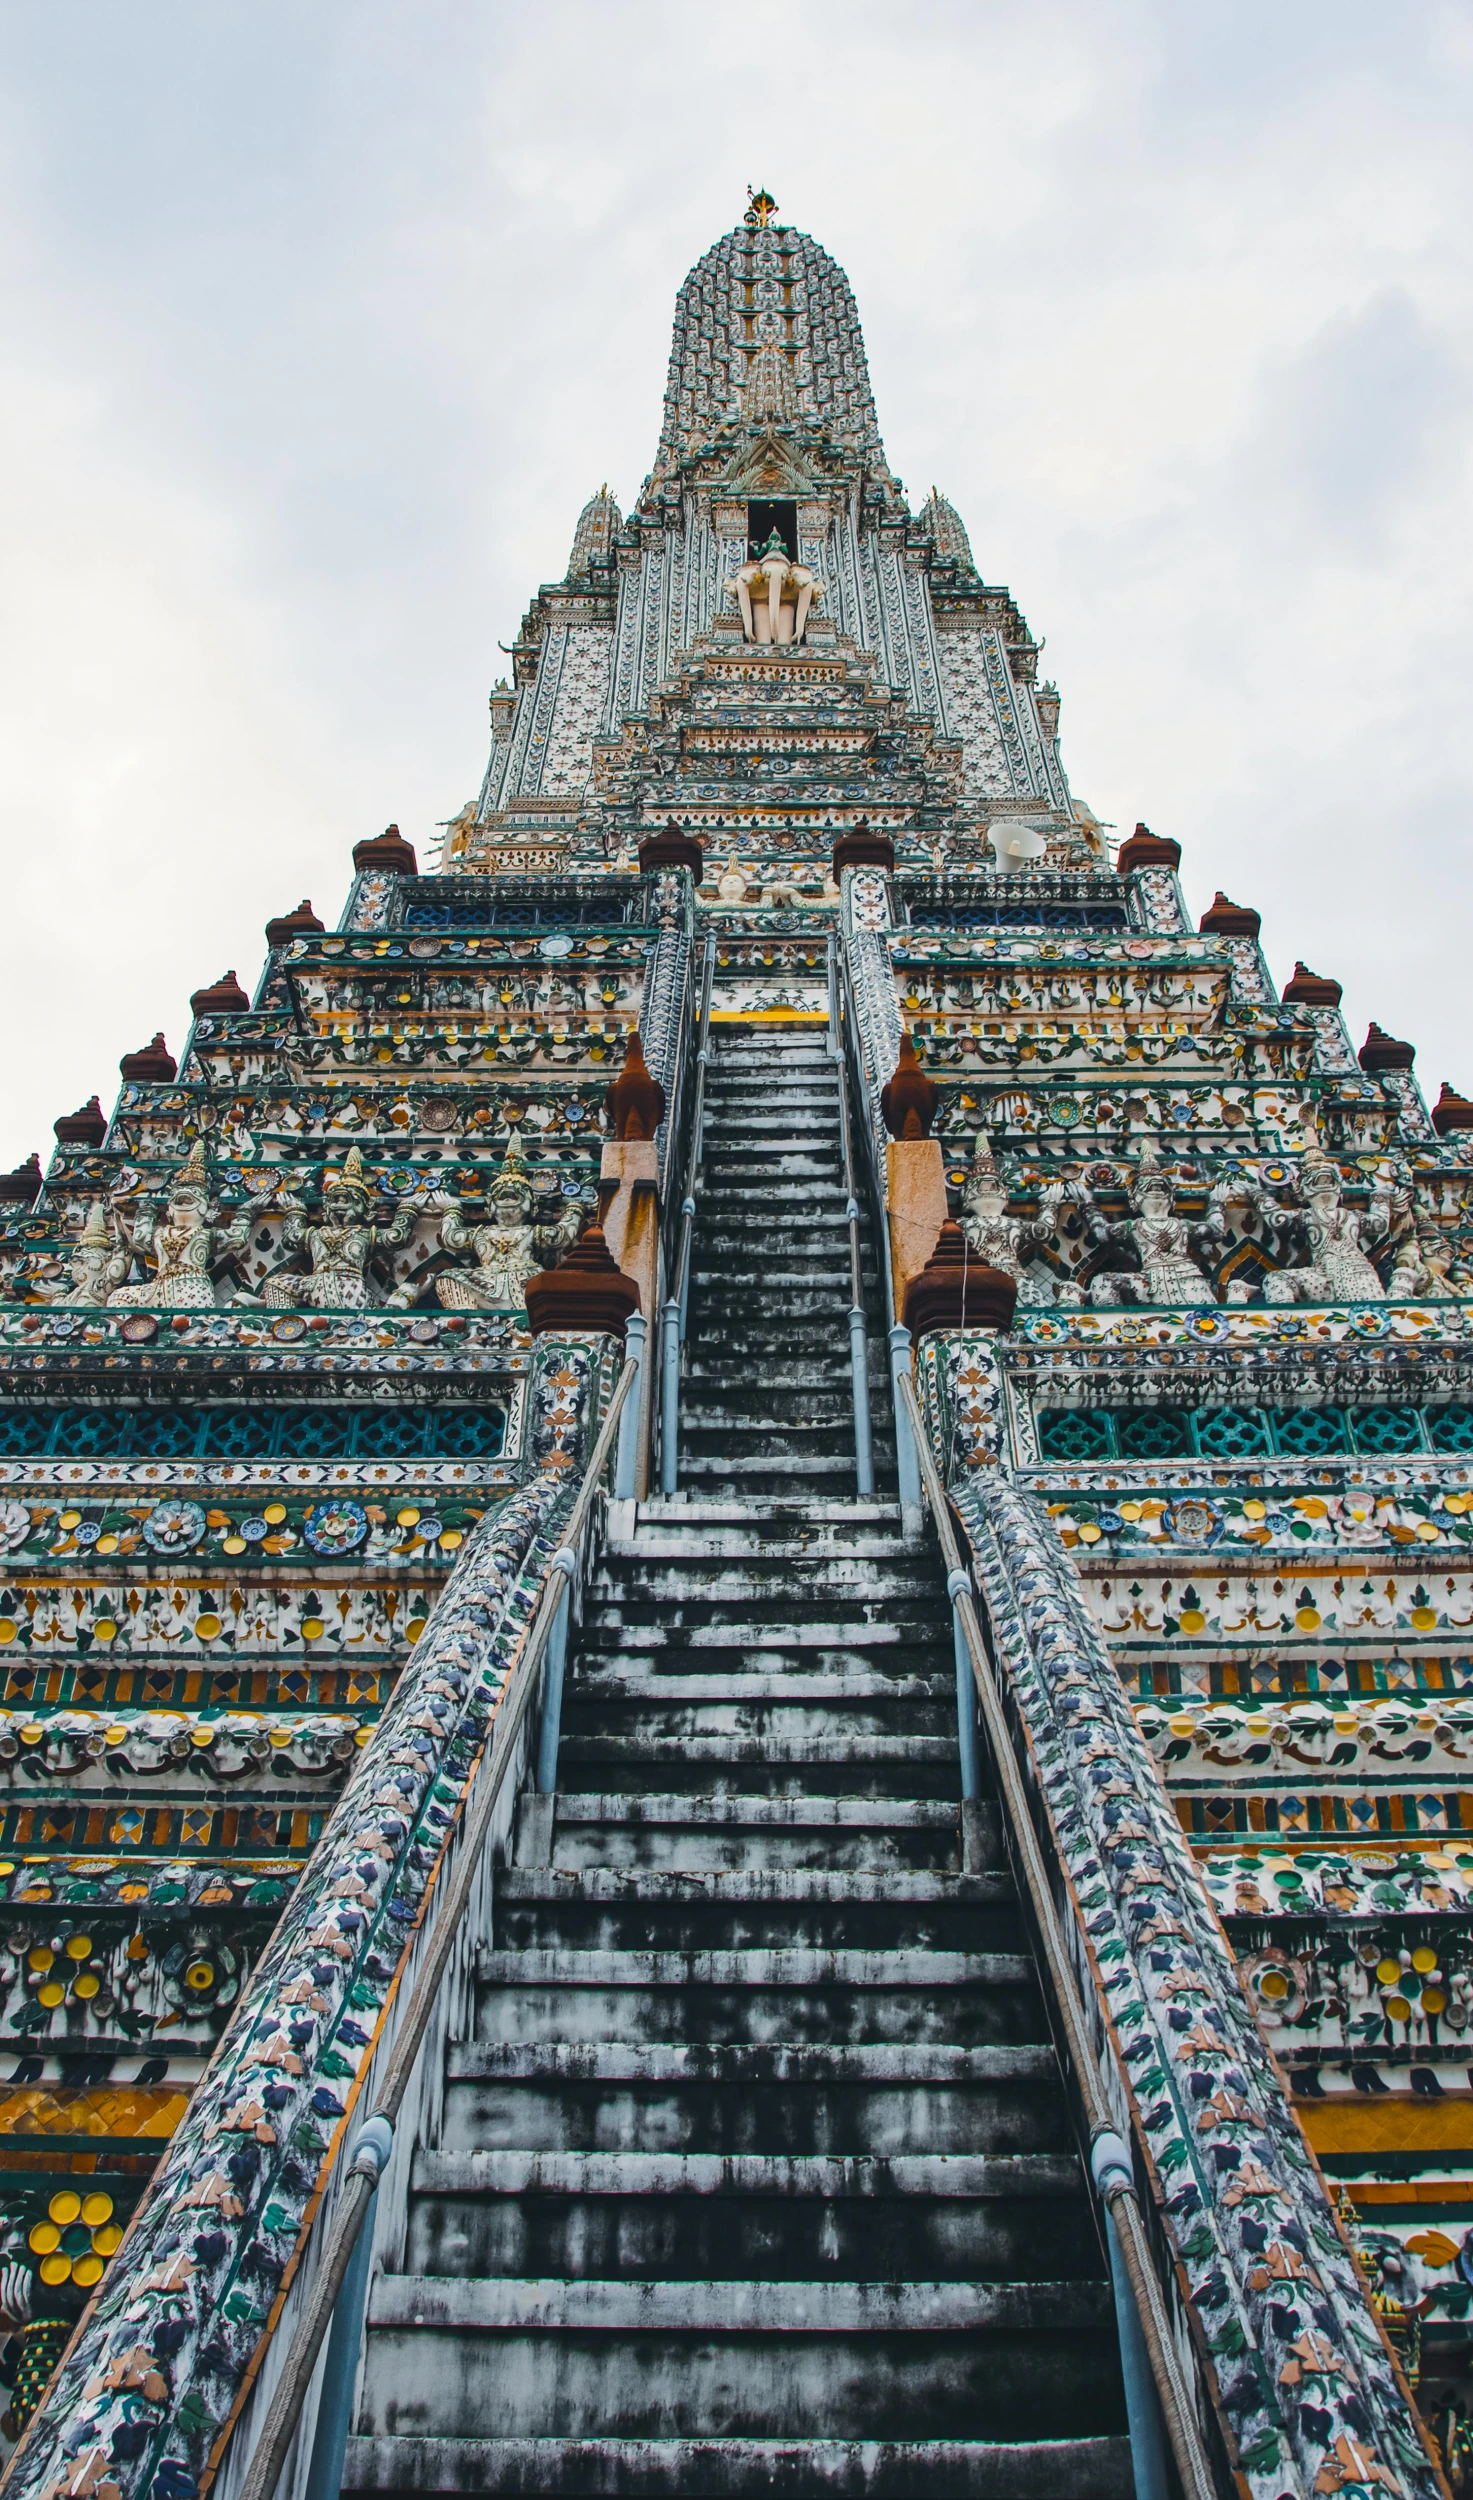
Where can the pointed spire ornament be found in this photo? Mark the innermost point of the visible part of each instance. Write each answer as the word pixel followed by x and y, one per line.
pixel 349 1175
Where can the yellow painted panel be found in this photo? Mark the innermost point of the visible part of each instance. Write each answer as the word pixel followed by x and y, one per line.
pixel 1392 2125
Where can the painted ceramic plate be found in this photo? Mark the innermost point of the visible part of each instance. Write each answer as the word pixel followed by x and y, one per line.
pixel 140 1330
pixel 15 1525
pixel 335 1527
pixel 174 1526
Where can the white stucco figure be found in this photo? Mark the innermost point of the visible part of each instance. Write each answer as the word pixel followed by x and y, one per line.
pixel 184 1247
pixel 503 1255
pixel 339 1243
pixel 775 594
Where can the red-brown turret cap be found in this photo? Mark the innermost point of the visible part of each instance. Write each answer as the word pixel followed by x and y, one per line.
pixel 636 1100
pixel 224 997
pixel 21 1187
pixel 908 1102
pixel 862 847
pixel 387 850
pixel 1380 1051
pixel 153 1065
pixel 676 847
pixel 303 922
pixel 1451 1111
pixel 1226 919
pixel 1311 989
pixel 587 1291
pixel 956 1290
pixel 86 1127
pixel 1146 849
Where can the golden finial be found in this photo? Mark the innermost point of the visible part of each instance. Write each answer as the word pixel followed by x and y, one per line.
pixel 761 207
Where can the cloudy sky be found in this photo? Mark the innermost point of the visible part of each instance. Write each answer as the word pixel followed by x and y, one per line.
pixel 320 323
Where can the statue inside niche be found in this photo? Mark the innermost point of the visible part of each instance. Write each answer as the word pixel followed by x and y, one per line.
pixel 339 1244
pixel 1421 1268
pixel 1017 1249
pixel 731 885
pixel 185 1247
pixel 775 594
pixel 1337 1269
pixel 998 1239
pixel 1169 1271
pixel 498 1259
pixel 96 1265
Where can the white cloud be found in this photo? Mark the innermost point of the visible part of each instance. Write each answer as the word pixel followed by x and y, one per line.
pixel 320 327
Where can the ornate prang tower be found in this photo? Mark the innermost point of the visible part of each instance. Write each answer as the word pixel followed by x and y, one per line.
pixel 786 2012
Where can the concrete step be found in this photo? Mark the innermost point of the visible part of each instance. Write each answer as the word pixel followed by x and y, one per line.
pixel 551 1909
pixel 745 2469
pixel 797 1995
pixel 688 1833
pixel 666 1688
pixel 774 2359
pixel 881 2099
pixel 1014 2218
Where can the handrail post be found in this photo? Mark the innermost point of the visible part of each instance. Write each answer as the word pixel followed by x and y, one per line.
pixel 1109 2167
pixel 907 1459
pixel 958 1586
pixel 669 1395
pixel 345 2335
pixel 864 1455
pixel 626 1462
pixel 550 1733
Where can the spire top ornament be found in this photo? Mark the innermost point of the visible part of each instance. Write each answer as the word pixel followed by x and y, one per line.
pixel 761 207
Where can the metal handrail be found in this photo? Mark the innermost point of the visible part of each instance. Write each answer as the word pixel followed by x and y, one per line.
pixel 375 2140
pixel 677 1277
pixel 864 1457
pixel 1113 2176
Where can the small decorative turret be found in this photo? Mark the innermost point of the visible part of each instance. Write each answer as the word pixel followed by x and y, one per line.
pixel 1146 849
pixel 387 850
pixel 599 524
pixel 949 531
pixel 860 847
pixel 636 1102
pixel 86 1127
pixel 153 1065
pixel 676 847
pixel 224 997
pixel 1380 1052
pixel 1310 989
pixel 1225 919
pixel 1451 1111
pixel 586 1292
pixel 21 1187
pixel 303 922
pixel 955 1290
pixel 908 1102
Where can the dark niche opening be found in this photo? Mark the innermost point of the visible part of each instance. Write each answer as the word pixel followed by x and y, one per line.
pixel 763 519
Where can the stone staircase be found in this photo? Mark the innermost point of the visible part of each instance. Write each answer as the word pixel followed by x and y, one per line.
pixel 756 2173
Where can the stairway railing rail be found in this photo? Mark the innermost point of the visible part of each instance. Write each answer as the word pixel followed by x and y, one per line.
pixel 335 2293
pixel 864 1457
pixel 677 1270
pixel 1111 2163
